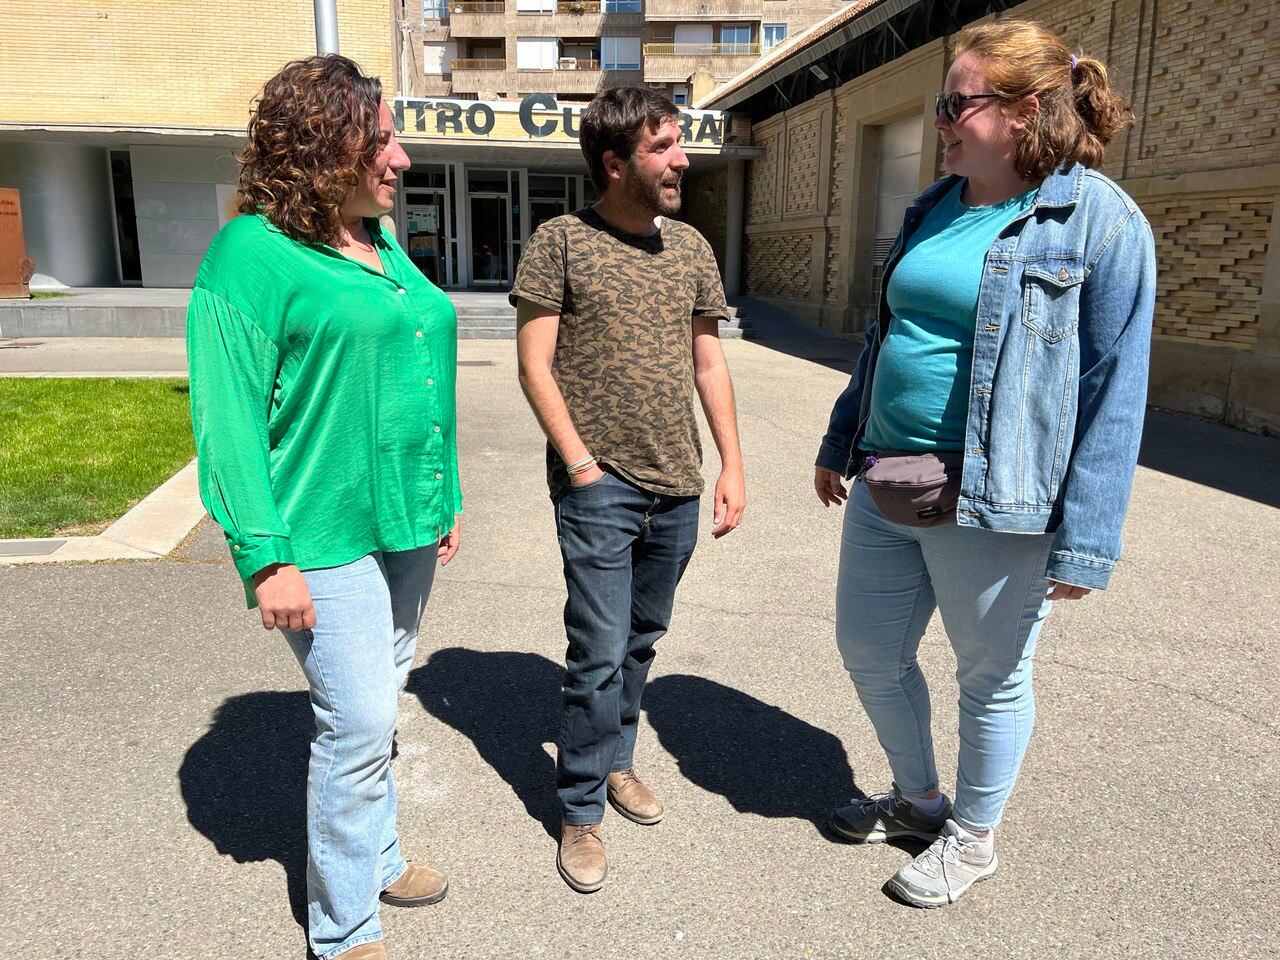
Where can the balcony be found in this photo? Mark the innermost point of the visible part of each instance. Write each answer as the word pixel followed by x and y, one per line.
pixel 479 76
pixel 478 19
pixel 579 18
pixel 690 10
pixel 571 76
pixel 676 62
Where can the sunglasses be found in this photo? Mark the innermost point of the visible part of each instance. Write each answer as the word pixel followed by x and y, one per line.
pixel 953 104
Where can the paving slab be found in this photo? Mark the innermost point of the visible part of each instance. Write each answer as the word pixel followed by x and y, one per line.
pixel 156 737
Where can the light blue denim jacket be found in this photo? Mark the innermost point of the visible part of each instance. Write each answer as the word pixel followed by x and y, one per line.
pixel 1058 388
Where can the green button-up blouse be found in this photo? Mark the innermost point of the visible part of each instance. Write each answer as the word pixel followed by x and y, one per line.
pixel 322 400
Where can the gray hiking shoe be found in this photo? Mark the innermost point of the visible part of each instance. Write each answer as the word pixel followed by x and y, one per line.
pixel 941 875
pixel 884 817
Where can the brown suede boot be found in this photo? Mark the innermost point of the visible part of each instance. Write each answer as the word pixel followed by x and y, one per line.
pixel 417 887
pixel 580 858
pixel 633 799
pixel 366 951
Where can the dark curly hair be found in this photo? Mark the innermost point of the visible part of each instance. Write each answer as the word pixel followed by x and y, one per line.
pixel 1079 112
pixel 313 134
pixel 614 120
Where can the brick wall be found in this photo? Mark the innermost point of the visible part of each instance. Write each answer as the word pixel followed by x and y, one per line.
pixel 1211 253
pixel 157 63
pixel 778 265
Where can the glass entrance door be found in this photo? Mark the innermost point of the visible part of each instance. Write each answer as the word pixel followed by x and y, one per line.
pixel 490 239
pixel 540 211
pixel 428 246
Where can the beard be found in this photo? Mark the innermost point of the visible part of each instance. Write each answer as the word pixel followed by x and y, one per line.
pixel 649 195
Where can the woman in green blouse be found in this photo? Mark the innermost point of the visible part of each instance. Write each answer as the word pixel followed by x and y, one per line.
pixel 322 399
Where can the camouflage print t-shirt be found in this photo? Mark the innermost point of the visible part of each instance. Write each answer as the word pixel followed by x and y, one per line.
pixel 624 353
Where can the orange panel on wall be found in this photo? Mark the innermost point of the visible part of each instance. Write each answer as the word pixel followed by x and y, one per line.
pixel 15 268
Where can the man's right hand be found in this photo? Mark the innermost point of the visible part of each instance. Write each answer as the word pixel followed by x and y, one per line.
pixel 590 476
pixel 283 598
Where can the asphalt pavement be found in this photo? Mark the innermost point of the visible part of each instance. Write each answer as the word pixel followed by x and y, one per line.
pixel 154 737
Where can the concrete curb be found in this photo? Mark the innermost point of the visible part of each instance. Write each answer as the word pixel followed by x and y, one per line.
pixel 149 531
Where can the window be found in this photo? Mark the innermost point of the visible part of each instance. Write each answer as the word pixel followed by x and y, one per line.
pixel 535 6
pixel 621 53
pixel 774 34
pixel 435 10
pixel 537 53
pixel 687 34
pixel 680 94
pixel 437 58
pixel 736 37
pixel 622 6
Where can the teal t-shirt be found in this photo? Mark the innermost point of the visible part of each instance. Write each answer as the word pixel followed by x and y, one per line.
pixel 920 392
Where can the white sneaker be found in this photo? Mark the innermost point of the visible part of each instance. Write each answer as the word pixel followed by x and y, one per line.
pixel 941 875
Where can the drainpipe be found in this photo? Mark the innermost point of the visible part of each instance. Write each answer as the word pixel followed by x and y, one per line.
pixel 326 26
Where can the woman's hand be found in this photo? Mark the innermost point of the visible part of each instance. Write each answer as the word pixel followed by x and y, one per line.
pixel 1067 591
pixel 830 489
pixel 283 598
pixel 449 544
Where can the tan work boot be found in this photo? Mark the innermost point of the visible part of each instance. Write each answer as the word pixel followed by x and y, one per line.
pixel 366 951
pixel 633 799
pixel 417 887
pixel 580 858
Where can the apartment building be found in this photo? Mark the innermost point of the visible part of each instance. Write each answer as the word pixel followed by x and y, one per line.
pixel 497 50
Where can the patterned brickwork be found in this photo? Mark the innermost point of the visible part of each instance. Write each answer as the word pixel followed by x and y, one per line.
pixel 156 63
pixel 1210 254
pixel 762 180
pixel 840 132
pixel 803 166
pixel 833 267
pixel 778 265
pixel 1211 101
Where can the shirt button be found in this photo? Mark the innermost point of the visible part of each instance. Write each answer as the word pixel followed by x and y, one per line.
pixel 439 476
pixel 236 548
pixel 399 289
pixel 430 382
pixel 437 428
pixel 418 334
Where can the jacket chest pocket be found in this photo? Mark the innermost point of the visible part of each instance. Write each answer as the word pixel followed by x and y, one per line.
pixel 1051 298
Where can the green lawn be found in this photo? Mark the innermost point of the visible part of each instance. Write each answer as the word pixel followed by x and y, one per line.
pixel 77 454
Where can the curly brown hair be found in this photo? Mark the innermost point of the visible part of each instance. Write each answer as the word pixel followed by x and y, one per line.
pixel 313 134
pixel 1079 113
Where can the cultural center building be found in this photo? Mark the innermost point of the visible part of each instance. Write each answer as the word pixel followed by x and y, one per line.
pixel 843 115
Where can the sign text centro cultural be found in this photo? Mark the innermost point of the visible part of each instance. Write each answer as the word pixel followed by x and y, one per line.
pixel 540 116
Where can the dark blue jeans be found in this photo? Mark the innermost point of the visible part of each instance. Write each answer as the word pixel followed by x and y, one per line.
pixel 624 551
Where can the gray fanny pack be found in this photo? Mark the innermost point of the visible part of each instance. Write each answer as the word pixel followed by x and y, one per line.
pixel 915 489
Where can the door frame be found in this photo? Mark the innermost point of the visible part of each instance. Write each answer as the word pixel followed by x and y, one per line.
pixel 446 227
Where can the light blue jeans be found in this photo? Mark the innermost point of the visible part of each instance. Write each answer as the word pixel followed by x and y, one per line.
pixel 990 588
pixel 357 661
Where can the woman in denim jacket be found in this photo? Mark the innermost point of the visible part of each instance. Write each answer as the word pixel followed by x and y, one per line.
pixel 1012 340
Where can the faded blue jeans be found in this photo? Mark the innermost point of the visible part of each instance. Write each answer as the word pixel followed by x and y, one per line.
pixel 991 590
pixel 356 660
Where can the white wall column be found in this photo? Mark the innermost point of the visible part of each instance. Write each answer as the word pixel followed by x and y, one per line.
pixel 68 223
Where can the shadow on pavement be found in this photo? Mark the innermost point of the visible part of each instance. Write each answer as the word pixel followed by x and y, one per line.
pixel 508 705
pixel 760 758
pixel 1212 454
pixel 245 784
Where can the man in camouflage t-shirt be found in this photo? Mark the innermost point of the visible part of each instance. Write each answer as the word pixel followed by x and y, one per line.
pixel 618 314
